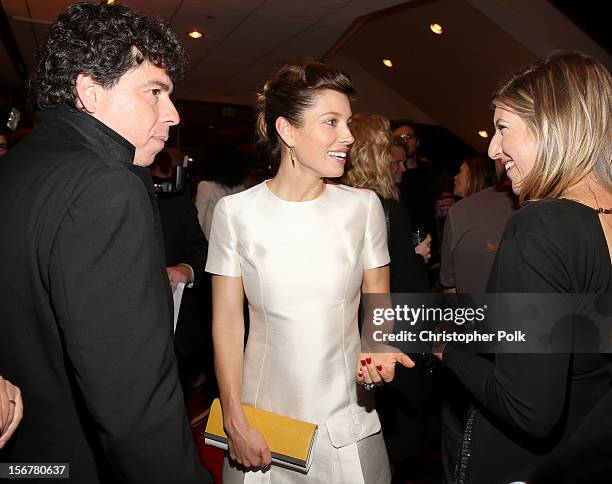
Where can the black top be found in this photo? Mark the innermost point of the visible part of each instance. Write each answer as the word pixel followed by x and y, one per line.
pixel 184 242
pixel 528 406
pixel 407 268
pixel 86 315
pixel 418 193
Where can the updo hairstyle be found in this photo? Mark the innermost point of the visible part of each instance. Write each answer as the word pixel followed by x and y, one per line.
pixel 291 91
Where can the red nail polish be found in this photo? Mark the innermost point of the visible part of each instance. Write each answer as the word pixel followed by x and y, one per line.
pixel 363 362
pixel 360 374
pixel 379 367
pixel 369 361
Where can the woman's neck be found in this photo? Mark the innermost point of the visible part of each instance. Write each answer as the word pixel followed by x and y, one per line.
pixel 295 184
pixel 589 191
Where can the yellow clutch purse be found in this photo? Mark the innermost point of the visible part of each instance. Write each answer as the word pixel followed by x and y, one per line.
pixel 291 441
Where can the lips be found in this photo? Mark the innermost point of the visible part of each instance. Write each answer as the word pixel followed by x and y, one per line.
pixel 339 156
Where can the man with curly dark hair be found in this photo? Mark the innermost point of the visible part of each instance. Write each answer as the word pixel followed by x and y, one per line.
pixel 86 310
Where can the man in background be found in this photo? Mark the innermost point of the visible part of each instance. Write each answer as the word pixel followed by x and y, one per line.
pixel 86 303
pixel 185 257
pixel 419 188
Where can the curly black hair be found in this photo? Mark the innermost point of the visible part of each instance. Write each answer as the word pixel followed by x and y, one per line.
pixel 104 41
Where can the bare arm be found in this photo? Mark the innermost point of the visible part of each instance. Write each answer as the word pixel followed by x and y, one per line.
pixel 246 445
pixel 376 280
pixel 379 366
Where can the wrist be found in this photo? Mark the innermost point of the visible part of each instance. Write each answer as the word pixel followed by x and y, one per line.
pixel 234 419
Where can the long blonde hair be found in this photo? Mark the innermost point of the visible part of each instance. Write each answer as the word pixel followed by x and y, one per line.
pixel 565 102
pixel 369 157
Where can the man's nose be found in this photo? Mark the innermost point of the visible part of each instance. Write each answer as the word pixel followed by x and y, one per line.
pixel 170 114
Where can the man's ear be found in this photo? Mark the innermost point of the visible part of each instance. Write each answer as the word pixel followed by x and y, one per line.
pixel 88 93
pixel 285 130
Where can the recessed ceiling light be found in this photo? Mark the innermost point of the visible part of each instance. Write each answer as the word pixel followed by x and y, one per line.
pixel 436 28
pixel 110 2
pixel 388 62
pixel 483 134
pixel 195 34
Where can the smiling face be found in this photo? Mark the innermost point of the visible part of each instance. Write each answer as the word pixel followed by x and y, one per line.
pixel 323 141
pixel 513 145
pixel 462 179
pixel 138 107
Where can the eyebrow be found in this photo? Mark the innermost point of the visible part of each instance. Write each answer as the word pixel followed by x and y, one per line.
pixel 162 85
pixel 334 113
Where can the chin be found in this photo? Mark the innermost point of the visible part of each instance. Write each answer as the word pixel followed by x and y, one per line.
pixel 335 172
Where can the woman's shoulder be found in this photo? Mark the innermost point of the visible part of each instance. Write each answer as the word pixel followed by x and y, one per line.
pixel 350 192
pixel 351 198
pixel 236 201
pixel 551 215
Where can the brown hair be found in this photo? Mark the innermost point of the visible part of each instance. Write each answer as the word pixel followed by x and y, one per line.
pixel 482 174
pixel 290 92
pixel 566 102
pixel 368 165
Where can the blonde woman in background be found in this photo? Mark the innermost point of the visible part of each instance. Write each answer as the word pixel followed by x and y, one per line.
pixel 401 406
pixel 370 166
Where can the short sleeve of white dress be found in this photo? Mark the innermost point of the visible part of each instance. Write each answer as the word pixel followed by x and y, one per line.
pixel 375 250
pixel 223 258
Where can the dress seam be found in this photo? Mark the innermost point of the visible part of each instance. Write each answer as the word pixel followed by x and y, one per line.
pixel 265 351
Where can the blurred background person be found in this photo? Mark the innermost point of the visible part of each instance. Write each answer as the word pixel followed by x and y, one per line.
pixel 185 250
pixel 397 166
pixel 223 174
pixel 372 166
pixel 476 173
pixel 419 188
pixel 401 404
pixel 3 143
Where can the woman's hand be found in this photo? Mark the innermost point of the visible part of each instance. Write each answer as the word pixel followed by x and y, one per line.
pixel 248 447
pixel 379 368
pixel 424 248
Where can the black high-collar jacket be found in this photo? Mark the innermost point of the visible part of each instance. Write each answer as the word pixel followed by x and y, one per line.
pixel 85 314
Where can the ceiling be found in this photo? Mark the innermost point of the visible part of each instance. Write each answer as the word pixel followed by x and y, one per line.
pixel 445 80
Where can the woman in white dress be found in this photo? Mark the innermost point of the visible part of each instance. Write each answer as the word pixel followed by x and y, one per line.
pixel 301 250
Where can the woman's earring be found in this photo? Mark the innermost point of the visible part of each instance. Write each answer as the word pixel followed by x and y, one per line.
pixel 292 159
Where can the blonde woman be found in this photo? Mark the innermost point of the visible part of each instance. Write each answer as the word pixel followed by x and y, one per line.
pixel 553 135
pixel 370 166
